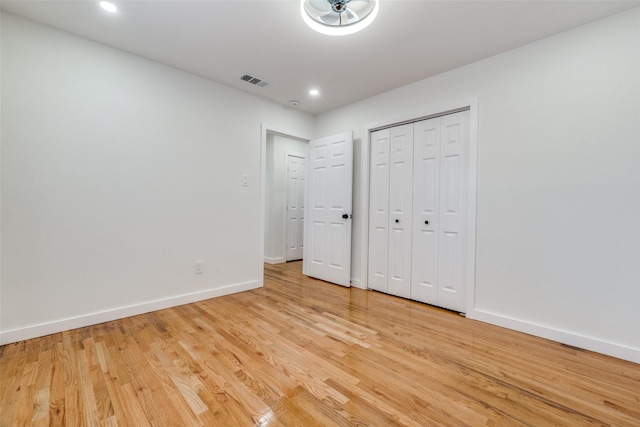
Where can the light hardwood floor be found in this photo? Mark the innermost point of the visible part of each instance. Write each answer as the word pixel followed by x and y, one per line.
pixel 300 352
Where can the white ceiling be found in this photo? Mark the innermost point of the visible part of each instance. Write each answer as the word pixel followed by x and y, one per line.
pixel 222 40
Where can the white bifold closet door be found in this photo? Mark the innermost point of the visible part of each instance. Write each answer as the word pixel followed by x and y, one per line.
pixel 439 236
pixel 379 211
pixel 390 214
pixel 417 216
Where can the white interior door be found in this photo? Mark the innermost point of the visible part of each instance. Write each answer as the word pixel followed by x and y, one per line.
pixel 439 211
pixel 390 210
pixel 327 237
pixel 400 212
pixel 426 198
pixel 295 207
pixel 454 141
pixel 379 211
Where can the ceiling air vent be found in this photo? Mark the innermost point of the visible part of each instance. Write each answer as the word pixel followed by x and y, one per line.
pixel 254 81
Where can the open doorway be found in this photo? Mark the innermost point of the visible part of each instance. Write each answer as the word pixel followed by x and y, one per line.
pixel 328 200
pixel 285 171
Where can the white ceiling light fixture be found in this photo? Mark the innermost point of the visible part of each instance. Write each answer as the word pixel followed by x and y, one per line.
pixel 314 92
pixel 339 17
pixel 108 6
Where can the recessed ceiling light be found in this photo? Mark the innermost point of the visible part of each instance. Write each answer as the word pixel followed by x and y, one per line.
pixel 108 6
pixel 314 92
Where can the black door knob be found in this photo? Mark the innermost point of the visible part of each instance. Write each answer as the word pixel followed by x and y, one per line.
pixel 426 222
pixel 345 216
pixel 397 221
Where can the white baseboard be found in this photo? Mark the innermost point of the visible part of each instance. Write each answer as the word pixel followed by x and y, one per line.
pixel 56 326
pixel 357 283
pixel 278 260
pixel 588 343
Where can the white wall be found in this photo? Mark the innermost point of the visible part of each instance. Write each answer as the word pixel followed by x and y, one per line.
pixel 558 196
pixel 117 174
pixel 276 175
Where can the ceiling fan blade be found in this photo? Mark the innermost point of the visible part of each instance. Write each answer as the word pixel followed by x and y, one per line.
pixel 361 7
pixel 359 4
pixel 320 5
pixel 351 15
pixel 331 18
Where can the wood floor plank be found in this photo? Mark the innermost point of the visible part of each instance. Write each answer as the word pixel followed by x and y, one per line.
pixel 149 392
pixel 72 405
pixel 88 402
pixel 134 411
pixel 301 352
pixel 121 414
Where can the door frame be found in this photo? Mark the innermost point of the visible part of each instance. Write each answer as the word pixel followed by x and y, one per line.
pixel 437 109
pixel 266 129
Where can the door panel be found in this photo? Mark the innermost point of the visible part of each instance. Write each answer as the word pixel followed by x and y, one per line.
pixel 451 184
pixel 295 207
pixel 328 237
pixel 400 209
pixel 426 199
pixel 379 211
pixel 317 242
pixel 453 142
pixel 336 253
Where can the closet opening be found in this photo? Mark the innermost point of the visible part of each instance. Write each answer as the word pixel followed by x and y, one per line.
pixel 421 208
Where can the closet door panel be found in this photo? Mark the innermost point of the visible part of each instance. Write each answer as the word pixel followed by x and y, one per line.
pixel 379 211
pixel 400 209
pixel 451 232
pixel 426 199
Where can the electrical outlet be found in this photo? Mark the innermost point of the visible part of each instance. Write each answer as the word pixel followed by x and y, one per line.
pixel 198 267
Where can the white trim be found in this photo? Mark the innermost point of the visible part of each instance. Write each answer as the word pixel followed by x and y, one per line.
pixel 565 337
pixel 305 230
pixel 472 174
pixel 264 130
pixel 42 329
pixel 437 109
pixel 365 145
pixel 278 260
